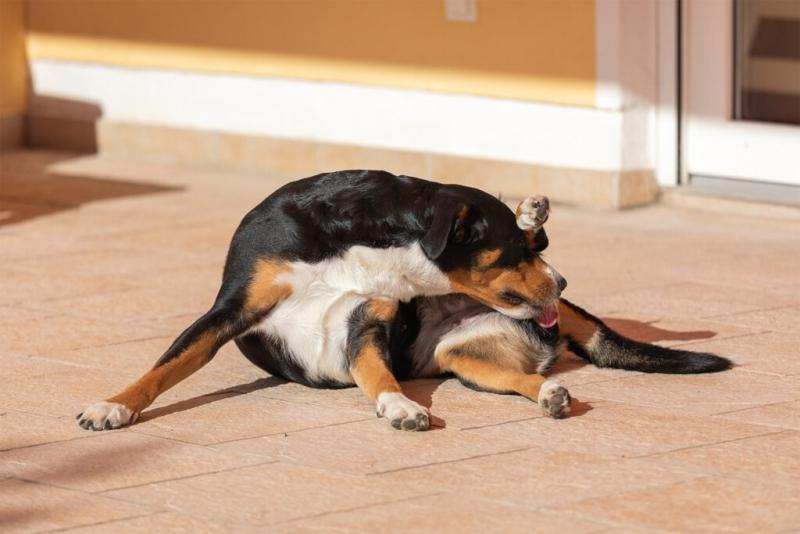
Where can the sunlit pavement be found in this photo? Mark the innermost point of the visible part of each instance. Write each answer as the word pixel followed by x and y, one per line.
pixel 103 263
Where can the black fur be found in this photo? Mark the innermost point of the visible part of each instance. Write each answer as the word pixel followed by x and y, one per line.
pixel 619 352
pixel 320 217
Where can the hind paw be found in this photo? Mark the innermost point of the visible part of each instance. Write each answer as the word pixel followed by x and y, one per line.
pixel 533 212
pixel 554 399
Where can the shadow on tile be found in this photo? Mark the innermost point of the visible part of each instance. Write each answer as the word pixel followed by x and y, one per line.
pixel 647 333
pixel 29 189
pixel 194 402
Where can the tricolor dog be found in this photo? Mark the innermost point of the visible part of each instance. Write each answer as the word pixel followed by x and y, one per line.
pixel 363 277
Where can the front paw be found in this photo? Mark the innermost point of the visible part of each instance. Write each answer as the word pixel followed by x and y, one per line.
pixel 402 412
pixel 106 416
pixel 554 399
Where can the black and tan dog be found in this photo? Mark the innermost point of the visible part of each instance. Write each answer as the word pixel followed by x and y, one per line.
pixel 360 277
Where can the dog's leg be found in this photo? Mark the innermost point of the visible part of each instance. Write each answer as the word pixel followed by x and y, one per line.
pixel 370 365
pixel 196 346
pixel 487 373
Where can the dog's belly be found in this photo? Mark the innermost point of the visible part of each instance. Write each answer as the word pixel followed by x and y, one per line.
pixel 308 330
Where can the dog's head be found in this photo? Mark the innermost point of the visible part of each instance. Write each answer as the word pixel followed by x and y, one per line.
pixel 493 254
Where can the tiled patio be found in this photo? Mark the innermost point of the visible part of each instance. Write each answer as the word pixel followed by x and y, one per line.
pixel 102 263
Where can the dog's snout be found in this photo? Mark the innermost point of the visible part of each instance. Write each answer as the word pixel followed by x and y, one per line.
pixel 561 282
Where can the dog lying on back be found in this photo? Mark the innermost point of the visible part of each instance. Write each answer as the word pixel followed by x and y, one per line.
pixel 358 277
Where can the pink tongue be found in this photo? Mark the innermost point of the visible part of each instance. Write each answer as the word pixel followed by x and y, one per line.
pixel 548 317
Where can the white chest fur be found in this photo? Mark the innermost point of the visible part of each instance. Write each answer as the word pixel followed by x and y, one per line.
pixel 313 321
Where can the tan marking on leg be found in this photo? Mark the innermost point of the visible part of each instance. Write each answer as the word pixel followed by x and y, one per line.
pixel 490 375
pixel 369 369
pixel 144 391
pixel 263 291
pixel 371 374
pixel 574 325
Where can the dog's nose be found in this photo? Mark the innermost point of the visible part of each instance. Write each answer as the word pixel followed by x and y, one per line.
pixel 561 282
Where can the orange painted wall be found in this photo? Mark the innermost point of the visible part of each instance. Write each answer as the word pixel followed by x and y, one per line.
pixel 528 49
pixel 13 66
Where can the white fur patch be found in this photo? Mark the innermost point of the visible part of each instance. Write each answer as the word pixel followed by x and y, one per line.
pixel 313 320
pixel 592 345
pixel 100 413
pixel 518 312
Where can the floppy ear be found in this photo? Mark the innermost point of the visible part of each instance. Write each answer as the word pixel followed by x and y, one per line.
pixel 452 223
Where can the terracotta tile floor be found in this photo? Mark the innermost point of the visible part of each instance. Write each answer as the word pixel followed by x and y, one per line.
pixel 103 262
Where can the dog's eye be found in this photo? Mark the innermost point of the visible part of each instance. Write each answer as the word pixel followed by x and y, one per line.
pixel 512 297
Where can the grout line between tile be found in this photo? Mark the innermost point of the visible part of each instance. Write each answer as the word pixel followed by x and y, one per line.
pixel 118 520
pixel 363 507
pixel 288 432
pixel 445 462
pixel 773 308
pixel 501 423
pixel 726 338
pixel 753 407
pixel 186 477
pixel 47 443
pixel 706 445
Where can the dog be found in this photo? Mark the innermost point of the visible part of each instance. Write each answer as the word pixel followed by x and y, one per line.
pixel 360 277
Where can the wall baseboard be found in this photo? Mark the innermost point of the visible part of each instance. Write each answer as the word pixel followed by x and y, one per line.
pixel 299 158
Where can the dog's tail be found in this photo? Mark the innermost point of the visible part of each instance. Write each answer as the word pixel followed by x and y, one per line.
pixel 591 339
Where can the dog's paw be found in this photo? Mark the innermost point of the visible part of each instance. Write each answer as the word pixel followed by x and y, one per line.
pixel 402 412
pixel 533 212
pixel 106 416
pixel 554 399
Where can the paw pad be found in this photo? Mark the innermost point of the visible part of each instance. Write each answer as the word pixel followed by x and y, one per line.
pixel 554 400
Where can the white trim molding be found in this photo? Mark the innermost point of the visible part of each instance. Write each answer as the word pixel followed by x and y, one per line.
pixel 607 17
pixel 400 119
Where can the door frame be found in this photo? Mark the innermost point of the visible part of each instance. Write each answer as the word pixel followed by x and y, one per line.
pixel 712 143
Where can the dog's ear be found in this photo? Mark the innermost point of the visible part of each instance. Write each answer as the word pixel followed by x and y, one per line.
pixel 537 241
pixel 453 222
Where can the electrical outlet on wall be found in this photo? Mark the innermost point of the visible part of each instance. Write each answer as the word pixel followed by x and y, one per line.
pixel 461 10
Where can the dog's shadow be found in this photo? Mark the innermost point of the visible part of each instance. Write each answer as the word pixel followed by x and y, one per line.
pixel 422 391
pixel 208 398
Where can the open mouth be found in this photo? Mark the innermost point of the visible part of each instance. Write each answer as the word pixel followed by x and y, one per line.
pixel 548 316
